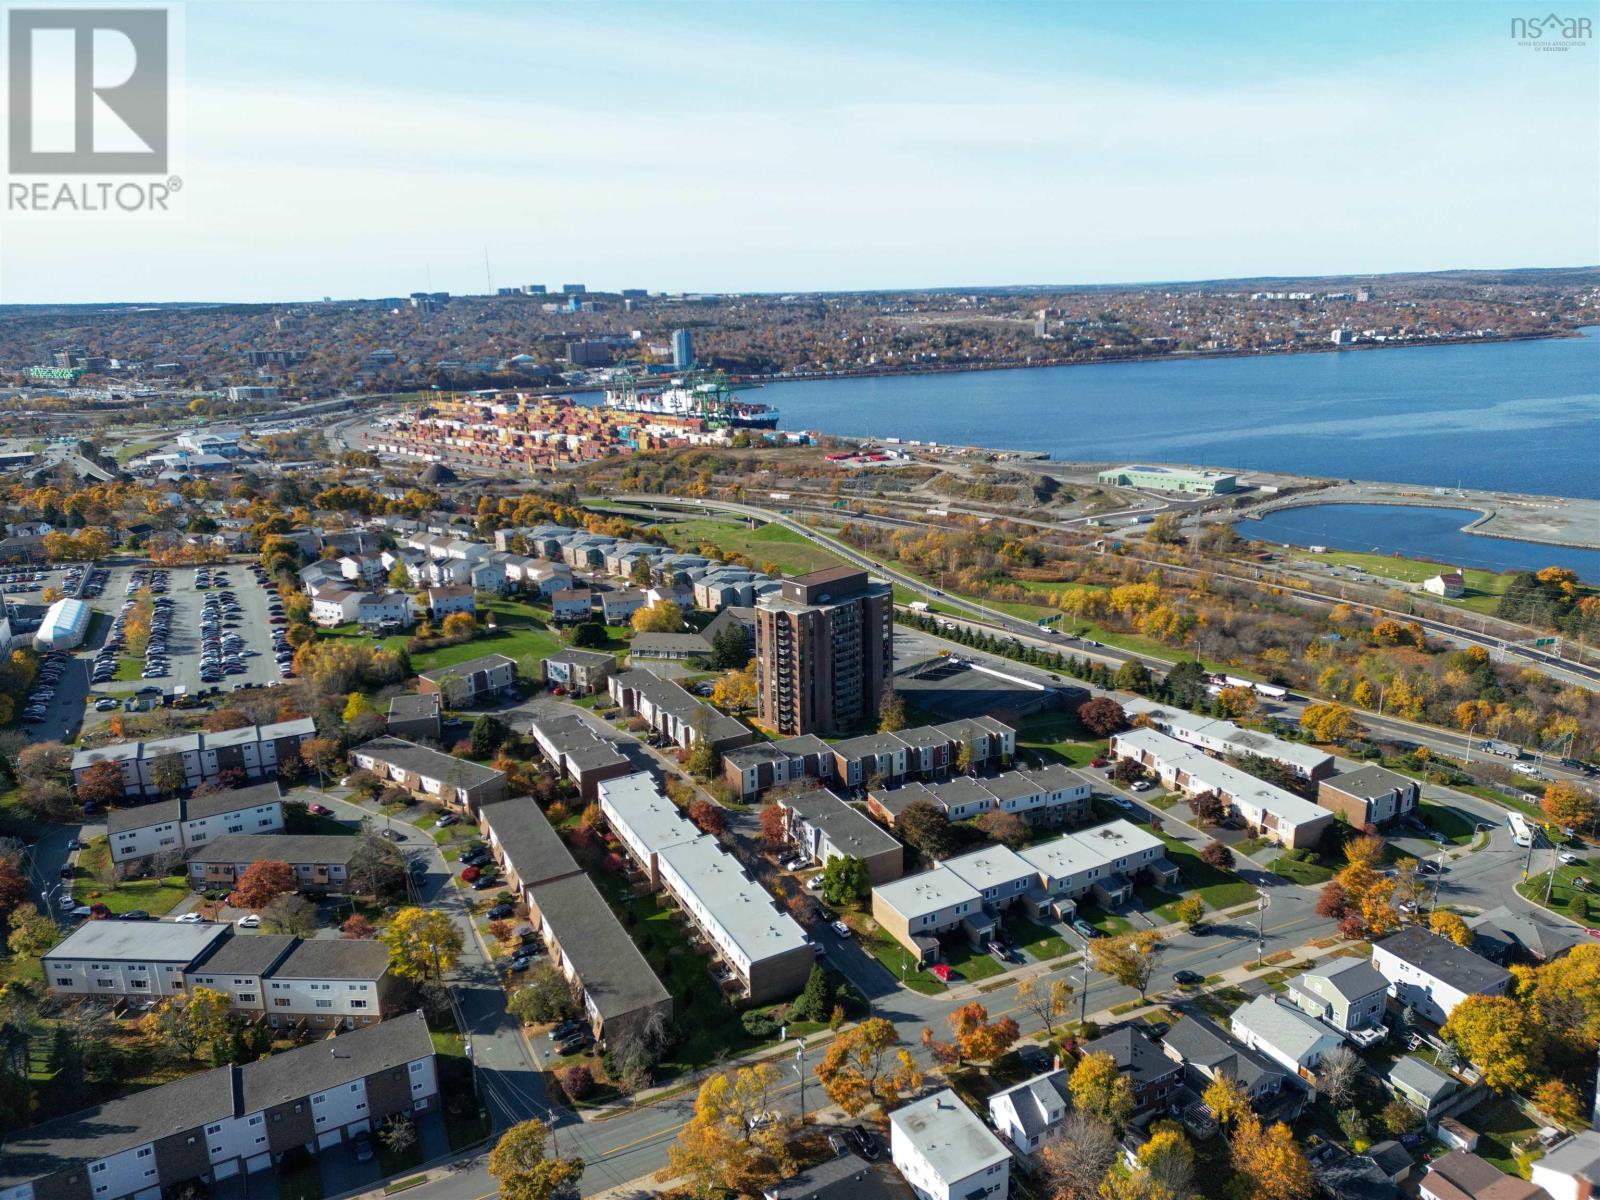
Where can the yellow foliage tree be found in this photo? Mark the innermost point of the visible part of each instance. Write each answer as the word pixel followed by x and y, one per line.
pixel 1500 1037
pixel 1452 926
pixel 867 1065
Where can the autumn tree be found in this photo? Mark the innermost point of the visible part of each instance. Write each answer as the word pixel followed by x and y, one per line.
pixel 662 617
pixel 1329 723
pixel 735 690
pixel 31 932
pixel 1167 1160
pixel 1006 828
pixel 891 712
pixel 1216 854
pixel 707 817
pixel 774 824
pixel 356 927
pixel 1269 1159
pixel 262 881
pixel 520 1165
pixel 423 943
pixel 1332 902
pixel 1102 716
pixel 323 755
pixel 1208 808
pixel 168 774
pixel 868 1065
pixel 925 828
pixel 1560 1102
pixel 1567 804
pixel 1191 910
pixel 1451 925
pixel 722 1146
pixel 1226 1098
pixel 1564 995
pixel 1100 1089
pixel 1129 958
pixel 978 1039
pixel 1498 1036
pixel 101 784
pixel 1050 1002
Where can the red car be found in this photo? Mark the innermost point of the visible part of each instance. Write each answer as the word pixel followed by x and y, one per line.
pixel 320 810
pixel 942 972
pixel 1098 762
pixel 469 874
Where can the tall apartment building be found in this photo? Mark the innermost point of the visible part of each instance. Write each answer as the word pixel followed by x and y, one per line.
pixel 824 652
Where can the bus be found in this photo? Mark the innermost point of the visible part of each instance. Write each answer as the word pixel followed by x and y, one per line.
pixel 1521 834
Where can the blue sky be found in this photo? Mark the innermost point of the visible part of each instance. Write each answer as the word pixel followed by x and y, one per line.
pixel 369 148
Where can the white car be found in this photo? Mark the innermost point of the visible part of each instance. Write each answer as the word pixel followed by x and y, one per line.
pixel 191 918
pixel 840 928
pixel 1569 859
pixel 1528 769
pixel 1142 785
pixel 253 921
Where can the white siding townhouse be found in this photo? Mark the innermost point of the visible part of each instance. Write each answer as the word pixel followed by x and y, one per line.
pixel 1295 1040
pixel 172 826
pixel 1432 974
pixel 1027 1113
pixel 1224 737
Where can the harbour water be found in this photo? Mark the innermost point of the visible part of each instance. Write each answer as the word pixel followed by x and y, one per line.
pixel 1518 416
pixel 1432 533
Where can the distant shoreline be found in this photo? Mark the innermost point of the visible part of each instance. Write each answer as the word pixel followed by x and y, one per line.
pixel 1175 356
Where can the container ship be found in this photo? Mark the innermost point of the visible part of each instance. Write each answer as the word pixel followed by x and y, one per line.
pixel 708 397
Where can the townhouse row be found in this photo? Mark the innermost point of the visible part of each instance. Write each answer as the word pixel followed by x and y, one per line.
pixel 585 940
pixel 766 954
pixel 257 752
pixel 174 826
pixel 229 1121
pixel 675 715
pixel 1050 795
pixel 1225 738
pixel 454 782
pixel 926 752
pixel 972 892
pixel 283 980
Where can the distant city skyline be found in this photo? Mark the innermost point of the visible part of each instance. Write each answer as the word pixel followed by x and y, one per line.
pixel 378 149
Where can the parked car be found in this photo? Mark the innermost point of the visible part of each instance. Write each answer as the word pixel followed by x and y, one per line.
pixel 566 1029
pixel 252 921
pixel 319 810
pixel 841 929
pixel 447 819
pixel 136 914
pixel 1569 859
pixel 1187 978
pixel 485 882
pixel 470 874
pixel 362 1147
pixel 866 1142
pixel 942 972
pixel 501 911
pixel 191 918
pixel 1084 929
pixel 1142 785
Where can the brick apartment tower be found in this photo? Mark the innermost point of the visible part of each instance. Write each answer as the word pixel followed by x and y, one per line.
pixel 824 653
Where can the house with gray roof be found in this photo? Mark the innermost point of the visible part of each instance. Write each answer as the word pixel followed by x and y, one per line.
pixel 217 1124
pixel 1505 937
pixel 1206 1052
pixel 475 681
pixel 414 715
pixel 321 862
pixel 1154 1076
pixel 1432 974
pixel 455 782
pixel 527 847
pixel 581 672
pixel 751 770
pixel 1571 1169
pixel 1348 994
pixel 578 750
pixel 173 826
pixel 1294 1040
pixel 1422 1085
pixel 672 647
pixel 825 828
pixel 1370 795
pixel 675 714
pixel 1026 1113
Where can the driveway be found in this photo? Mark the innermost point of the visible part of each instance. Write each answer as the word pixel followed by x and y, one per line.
pixel 342 1173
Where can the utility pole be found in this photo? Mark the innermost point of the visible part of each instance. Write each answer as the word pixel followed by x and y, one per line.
pixel 1261 928
pixel 800 1071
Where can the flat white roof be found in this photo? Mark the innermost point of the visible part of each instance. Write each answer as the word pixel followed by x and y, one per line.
pixel 1187 726
pixel 948 1136
pixel 1214 773
pixel 992 866
pixel 157 941
pixel 650 817
pixel 926 892
pixel 746 914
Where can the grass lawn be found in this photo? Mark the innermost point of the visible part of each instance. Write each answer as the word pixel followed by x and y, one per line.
pixel 1455 825
pixel 1565 898
pixel 1484 588
pixel 1250 847
pixel 1105 922
pixel 1158 901
pixel 154 896
pixel 521 634
pixel 1503 1126
pixel 1219 889
pixel 300 1182
pixel 1311 874
pixel 897 960
pixel 1041 944
pixel 1058 737
pixel 793 553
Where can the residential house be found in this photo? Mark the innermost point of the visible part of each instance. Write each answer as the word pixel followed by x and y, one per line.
pixel 1294 1040
pixel 580 672
pixel 172 826
pixel 327 982
pixel 1571 1169
pixel 669 647
pixel 1348 994
pixel 751 770
pixel 1155 1077
pixel 825 828
pixel 1225 738
pixel 1452 585
pixel 571 604
pixel 1462 1176
pixel 455 782
pixel 127 958
pixel 1207 1052
pixel 945 1152
pixel 475 681
pixel 1028 1112
pixel 1370 795
pixel 1504 937
pixel 1432 974
pixel 453 598
pixel 414 715
pixel 618 607
pixel 239 1119
pixel 1281 815
pixel 321 862
pixel 592 950
pixel 578 751
pixel 252 750
pixel 675 714
pixel 526 846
